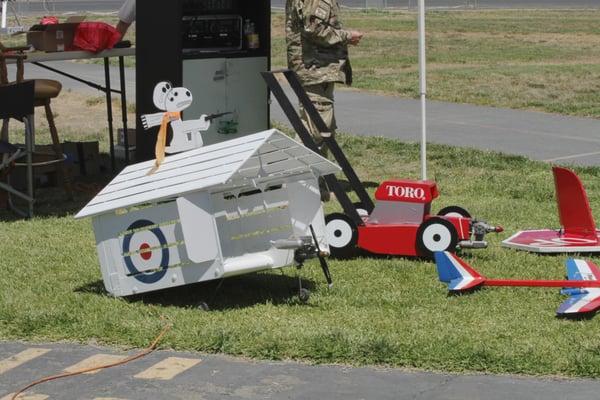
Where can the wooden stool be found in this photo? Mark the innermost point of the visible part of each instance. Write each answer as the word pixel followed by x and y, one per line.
pixel 44 91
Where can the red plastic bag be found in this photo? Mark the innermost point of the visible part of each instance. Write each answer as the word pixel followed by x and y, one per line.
pixel 95 36
pixel 49 21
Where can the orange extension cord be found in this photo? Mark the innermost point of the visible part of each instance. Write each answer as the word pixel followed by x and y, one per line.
pixel 147 351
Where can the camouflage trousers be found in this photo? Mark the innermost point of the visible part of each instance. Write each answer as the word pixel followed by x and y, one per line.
pixel 321 95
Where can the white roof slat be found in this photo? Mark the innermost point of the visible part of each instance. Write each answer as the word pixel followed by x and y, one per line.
pixel 235 162
pixel 270 147
pixel 279 173
pixel 161 175
pixel 156 195
pixel 276 167
pixel 142 193
pixel 184 159
pixel 283 142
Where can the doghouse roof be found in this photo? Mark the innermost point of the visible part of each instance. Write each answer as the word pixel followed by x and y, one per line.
pixel 226 165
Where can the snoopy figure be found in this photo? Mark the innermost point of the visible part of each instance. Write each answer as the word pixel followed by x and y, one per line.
pixel 186 134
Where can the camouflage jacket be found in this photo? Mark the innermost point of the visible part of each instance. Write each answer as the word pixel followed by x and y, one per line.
pixel 317 46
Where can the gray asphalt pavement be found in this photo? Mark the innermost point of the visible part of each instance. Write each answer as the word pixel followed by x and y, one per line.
pixel 540 136
pixel 217 377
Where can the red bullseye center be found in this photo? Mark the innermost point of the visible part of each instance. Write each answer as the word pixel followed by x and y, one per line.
pixel 145 251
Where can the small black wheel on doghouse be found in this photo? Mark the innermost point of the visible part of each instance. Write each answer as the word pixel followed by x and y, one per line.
pixel 436 234
pixel 304 295
pixel 342 235
pixel 202 306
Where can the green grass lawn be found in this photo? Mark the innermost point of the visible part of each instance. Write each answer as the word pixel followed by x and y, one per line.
pixel 381 311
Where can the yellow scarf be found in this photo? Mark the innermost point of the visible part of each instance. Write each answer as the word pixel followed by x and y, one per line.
pixel 161 140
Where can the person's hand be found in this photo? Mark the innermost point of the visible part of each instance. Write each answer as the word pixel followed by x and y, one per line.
pixel 355 37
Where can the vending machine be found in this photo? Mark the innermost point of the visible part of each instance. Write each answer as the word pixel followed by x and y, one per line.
pixel 215 48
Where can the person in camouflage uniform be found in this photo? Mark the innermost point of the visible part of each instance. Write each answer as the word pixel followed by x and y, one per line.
pixel 317 50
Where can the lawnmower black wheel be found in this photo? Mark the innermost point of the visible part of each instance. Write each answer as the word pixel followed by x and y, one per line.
pixel 342 235
pixel 454 211
pixel 436 234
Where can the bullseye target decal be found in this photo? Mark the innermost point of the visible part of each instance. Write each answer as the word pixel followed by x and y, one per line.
pixel 146 252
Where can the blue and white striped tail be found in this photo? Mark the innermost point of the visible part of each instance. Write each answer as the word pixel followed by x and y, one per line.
pixel 456 273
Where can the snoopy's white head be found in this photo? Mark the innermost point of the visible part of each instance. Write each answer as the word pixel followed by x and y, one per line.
pixel 168 98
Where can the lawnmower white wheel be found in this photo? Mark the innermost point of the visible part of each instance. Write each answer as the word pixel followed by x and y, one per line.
pixel 436 234
pixel 341 233
pixel 361 209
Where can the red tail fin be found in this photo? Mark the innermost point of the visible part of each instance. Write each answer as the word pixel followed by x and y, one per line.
pixel 573 205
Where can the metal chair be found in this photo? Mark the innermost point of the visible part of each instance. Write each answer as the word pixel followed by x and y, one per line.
pixel 18 102
pixel 44 91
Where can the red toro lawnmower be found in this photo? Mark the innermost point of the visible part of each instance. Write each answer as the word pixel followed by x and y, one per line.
pixel 401 224
pixel 400 221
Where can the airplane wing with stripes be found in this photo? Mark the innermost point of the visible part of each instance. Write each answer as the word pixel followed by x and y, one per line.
pixel 584 300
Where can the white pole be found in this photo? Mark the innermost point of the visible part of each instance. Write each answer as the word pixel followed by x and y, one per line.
pixel 4 7
pixel 423 88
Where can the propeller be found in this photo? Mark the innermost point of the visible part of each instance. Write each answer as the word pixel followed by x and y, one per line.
pixel 322 260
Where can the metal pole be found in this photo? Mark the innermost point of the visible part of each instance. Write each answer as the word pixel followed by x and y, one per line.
pixel 124 108
pixel 109 113
pixel 30 148
pixel 423 88
pixel 4 10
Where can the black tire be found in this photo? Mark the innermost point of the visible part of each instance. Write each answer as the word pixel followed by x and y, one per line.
pixel 454 211
pixel 342 235
pixel 202 306
pixel 436 234
pixel 304 295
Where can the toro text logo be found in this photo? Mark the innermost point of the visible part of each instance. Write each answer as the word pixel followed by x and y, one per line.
pixel 406 192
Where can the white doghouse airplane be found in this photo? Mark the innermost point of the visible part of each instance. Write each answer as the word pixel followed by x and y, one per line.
pixel 236 207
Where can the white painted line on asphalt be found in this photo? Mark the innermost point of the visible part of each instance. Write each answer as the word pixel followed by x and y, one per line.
pixel 95 361
pixel 523 131
pixel 108 398
pixel 168 368
pixel 595 153
pixel 21 358
pixel 25 396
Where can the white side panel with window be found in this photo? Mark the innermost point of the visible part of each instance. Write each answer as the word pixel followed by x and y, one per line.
pixel 198 227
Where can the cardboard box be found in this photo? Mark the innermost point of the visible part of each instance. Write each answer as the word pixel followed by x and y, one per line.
pixel 120 153
pixel 56 37
pixel 43 176
pixel 83 158
pixel 130 137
